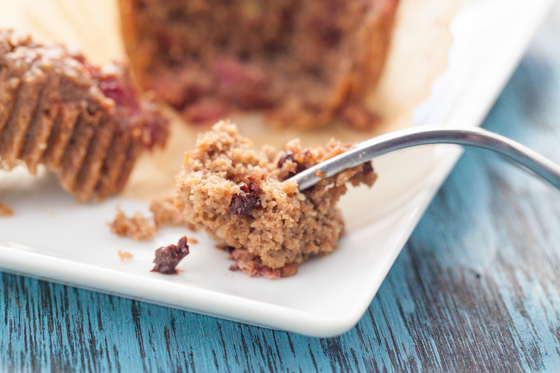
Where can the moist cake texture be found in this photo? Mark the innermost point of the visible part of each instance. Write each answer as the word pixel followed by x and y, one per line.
pixel 238 195
pixel 302 62
pixel 85 123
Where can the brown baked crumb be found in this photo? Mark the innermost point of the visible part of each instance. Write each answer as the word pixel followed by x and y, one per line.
pixel 137 227
pixel 240 197
pixel 192 240
pixel 249 196
pixel 124 255
pixel 168 257
pixel 5 210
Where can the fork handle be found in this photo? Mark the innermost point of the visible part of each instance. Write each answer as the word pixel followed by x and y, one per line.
pixel 424 135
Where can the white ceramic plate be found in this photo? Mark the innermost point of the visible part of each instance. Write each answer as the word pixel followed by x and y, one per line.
pixel 53 238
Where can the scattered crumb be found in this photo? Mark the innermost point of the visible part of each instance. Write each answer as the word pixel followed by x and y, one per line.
pixel 5 210
pixel 192 240
pixel 168 257
pixel 137 227
pixel 124 255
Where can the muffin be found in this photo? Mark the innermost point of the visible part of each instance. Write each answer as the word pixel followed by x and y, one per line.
pixel 303 63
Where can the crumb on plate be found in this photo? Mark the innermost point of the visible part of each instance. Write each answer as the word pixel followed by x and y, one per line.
pixel 138 227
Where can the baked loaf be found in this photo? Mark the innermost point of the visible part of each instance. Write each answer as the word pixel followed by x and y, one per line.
pixel 83 122
pixel 239 196
pixel 302 62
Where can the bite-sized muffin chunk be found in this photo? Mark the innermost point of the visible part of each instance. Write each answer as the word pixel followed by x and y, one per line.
pixel 301 62
pixel 240 197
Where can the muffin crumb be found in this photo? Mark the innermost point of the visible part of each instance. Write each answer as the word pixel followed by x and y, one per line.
pixel 252 266
pixel 242 198
pixel 137 227
pixel 124 255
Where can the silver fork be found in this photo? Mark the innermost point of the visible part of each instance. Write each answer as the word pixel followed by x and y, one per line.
pixel 471 136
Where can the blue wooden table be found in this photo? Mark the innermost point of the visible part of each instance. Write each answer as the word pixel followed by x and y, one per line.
pixel 476 288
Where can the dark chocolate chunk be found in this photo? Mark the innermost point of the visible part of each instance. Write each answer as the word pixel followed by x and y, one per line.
pixel 248 199
pixel 168 257
pixel 289 156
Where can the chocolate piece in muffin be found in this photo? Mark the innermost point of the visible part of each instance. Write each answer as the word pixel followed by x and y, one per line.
pixel 85 123
pixel 240 197
pixel 302 62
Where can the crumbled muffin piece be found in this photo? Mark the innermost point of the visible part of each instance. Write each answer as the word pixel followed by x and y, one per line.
pixel 168 257
pixel 5 210
pixel 240 197
pixel 137 227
